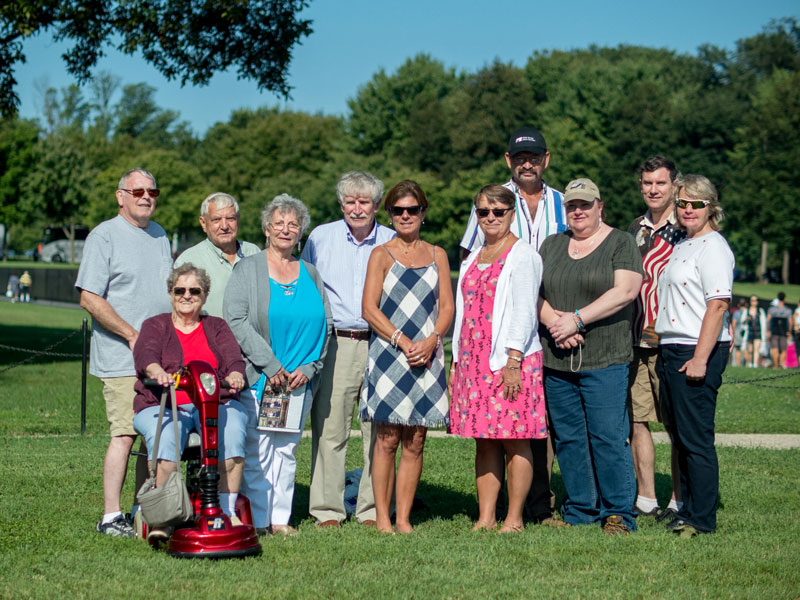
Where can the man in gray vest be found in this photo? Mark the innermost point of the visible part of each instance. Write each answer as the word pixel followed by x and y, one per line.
pixel 122 281
pixel 220 251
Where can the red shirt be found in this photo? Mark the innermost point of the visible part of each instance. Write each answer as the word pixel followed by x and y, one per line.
pixel 195 347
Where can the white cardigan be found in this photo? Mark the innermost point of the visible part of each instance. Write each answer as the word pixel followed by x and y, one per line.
pixel 515 324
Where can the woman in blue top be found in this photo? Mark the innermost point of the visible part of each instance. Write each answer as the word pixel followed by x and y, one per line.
pixel 276 307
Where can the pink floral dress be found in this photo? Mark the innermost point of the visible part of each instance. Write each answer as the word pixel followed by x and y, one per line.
pixel 478 408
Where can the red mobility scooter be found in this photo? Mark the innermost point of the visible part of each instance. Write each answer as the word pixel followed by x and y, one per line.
pixel 211 534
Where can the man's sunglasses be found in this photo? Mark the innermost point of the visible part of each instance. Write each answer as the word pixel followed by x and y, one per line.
pixel 397 211
pixel 497 212
pixel 695 204
pixel 180 291
pixel 139 192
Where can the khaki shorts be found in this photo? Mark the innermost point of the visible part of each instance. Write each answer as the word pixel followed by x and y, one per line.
pixel 118 393
pixel 644 401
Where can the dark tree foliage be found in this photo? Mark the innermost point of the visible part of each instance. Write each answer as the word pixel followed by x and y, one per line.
pixel 187 40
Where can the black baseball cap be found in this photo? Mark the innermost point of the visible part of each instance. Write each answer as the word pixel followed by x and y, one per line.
pixel 526 139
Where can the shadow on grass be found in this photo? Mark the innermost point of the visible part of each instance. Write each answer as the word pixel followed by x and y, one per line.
pixel 38 338
pixel 430 502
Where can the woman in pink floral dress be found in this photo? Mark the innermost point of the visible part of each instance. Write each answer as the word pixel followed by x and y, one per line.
pixel 496 388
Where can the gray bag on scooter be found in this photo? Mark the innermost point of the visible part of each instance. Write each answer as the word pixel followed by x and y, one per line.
pixel 169 504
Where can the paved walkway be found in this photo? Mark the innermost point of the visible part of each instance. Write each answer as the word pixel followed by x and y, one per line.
pixel 781 441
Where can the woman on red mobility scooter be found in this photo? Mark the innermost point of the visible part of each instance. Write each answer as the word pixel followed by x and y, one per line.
pixel 166 343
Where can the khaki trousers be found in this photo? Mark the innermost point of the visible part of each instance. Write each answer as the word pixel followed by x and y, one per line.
pixel 331 421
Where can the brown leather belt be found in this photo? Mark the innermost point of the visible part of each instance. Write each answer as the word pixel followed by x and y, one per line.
pixel 354 334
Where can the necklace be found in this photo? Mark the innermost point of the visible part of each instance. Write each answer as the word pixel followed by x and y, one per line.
pixel 407 249
pixel 588 242
pixel 498 247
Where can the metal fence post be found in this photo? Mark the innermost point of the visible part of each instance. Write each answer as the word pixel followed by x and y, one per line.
pixel 84 356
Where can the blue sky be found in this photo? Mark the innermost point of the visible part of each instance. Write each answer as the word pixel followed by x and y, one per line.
pixel 353 39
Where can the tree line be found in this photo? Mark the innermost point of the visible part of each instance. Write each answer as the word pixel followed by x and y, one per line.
pixel 733 116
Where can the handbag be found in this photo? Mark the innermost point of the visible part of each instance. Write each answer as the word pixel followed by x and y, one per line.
pixel 170 503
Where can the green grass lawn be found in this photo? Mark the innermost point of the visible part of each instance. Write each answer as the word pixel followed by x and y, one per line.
pixel 768 291
pixel 50 498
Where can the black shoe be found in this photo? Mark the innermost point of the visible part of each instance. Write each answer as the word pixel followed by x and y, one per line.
pixel 675 523
pixel 650 513
pixel 665 515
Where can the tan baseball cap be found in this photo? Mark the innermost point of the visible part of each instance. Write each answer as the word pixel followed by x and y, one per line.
pixel 581 189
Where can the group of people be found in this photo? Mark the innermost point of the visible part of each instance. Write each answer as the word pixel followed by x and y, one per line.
pixel 570 337
pixel 19 287
pixel 759 334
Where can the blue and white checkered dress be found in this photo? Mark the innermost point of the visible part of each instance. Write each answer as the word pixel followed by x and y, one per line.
pixel 395 392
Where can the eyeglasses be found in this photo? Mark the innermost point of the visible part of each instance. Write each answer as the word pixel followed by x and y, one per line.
pixel 497 212
pixel 397 211
pixel 695 204
pixel 181 291
pixel 139 192
pixel 534 159
pixel 291 226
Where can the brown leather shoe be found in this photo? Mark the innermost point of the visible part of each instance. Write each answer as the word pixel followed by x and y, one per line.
pixel 369 523
pixel 329 523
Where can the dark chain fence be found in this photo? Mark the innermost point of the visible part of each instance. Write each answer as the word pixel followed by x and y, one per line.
pixel 84 356
pixel 37 353
pixel 757 380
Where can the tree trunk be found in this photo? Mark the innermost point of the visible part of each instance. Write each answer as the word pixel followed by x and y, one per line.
pixel 785 267
pixel 71 236
pixel 762 268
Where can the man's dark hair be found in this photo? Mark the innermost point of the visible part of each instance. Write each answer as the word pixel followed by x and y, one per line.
pixel 781 296
pixel 654 163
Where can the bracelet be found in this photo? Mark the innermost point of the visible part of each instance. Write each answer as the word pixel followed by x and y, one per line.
pixel 511 368
pixel 438 338
pixel 395 338
pixel 515 358
pixel 579 322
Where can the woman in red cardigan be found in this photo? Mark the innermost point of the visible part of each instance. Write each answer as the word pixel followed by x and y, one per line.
pixel 166 343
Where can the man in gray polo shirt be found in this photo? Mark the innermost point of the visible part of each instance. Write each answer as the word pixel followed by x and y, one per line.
pixel 219 218
pixel 122 281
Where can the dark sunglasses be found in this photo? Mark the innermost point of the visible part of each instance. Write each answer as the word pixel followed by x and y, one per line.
pixel 497 212
pixel 397 211
pixel 180 291
pixel 139 192
pixel 695 204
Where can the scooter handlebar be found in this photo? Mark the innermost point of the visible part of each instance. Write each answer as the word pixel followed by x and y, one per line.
pixel 149 382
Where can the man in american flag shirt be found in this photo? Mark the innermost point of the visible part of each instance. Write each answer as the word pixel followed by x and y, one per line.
pixel 656 233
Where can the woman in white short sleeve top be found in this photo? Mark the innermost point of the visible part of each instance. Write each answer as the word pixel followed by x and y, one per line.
pixel 694 342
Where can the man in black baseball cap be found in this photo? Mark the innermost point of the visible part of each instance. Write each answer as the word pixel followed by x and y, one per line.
pixel 539 207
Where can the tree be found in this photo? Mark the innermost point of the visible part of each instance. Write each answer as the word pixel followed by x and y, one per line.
pixel 17 157
pixel 56 189
pixel 400 115
pixel 766 159
pixel 184 39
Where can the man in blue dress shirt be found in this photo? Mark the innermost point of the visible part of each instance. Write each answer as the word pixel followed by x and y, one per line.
pixel 340 251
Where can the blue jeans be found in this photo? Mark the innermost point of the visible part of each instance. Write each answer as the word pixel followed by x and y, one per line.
pixel 590 427
pixel 231 432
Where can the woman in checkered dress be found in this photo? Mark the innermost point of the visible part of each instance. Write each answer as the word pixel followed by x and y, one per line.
pixel 408 303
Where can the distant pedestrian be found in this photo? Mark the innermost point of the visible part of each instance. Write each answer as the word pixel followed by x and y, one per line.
pixel 13 288
pixel 779 319
pixel 25 287
pixel 756 333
